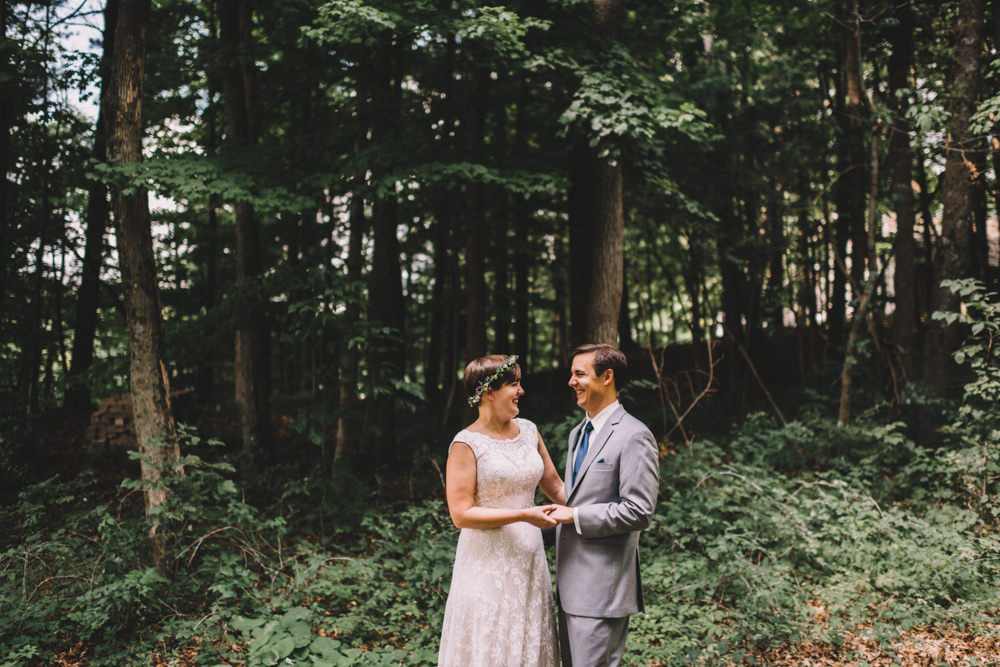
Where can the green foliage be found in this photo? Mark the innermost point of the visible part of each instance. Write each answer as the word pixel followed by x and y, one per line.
pixel 778 534
pixel 620 101
pixel 521 182
pixel 191 176
pixel 342 22
pixel 742 557
pixel 970 460
pixel 499 30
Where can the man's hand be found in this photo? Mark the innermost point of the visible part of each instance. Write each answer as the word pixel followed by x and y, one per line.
pixel 560 513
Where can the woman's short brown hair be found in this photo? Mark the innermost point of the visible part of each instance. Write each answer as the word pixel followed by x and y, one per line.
pixel 483 367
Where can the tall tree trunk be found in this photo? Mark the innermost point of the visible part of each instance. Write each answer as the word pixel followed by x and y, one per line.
pixel 32 353
pixel 951 258
pixel 8 87
pixel 900 62
pixel 979 245
pixel 347 423
pixel 838 231
pixel 438 304
pixel 856 111
pixel 252 381
pixel 865 291
pixel 475 219
pixel 773 304
pixel 98 211
pixel 522 225
pixel 604 300
pixel 625 339
pixel 501 288
pixel 152 414
pixel 385 287
pixel 581 234
pixel 31 359
pixel 597 218
pixel 862 272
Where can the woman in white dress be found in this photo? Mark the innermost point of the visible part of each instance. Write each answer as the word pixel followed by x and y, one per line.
pixel 500 609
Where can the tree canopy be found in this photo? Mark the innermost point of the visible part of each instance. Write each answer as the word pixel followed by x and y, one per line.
pixel 364 196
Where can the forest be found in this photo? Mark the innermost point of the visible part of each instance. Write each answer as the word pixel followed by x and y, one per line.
pixel 247 249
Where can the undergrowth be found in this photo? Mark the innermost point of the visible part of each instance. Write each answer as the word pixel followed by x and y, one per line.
pixel 773 536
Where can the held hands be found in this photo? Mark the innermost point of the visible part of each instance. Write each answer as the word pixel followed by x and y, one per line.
pixel 560 513
pixel 538 516
pixel 546 516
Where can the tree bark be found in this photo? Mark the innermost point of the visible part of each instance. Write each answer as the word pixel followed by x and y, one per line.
pixel 31 359
pixel 604 300
pixel 475 219
pixel 251 369
pixel 856 111
pixel 8 82
pixel 900 63
pixel 951 258
pixel 979 243
pixel 385 289
pixel 501 289
pixel 347 423
pixel 864 290
pixel 597 219
pixel 154 420
pixel 98 211
pixel 522 223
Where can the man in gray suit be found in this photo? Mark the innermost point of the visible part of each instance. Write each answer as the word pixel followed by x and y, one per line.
pixel 612 479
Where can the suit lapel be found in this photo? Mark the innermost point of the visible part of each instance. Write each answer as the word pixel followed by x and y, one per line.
pixel 595 447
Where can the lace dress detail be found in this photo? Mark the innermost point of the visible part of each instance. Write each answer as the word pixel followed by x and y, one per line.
pixel 500 609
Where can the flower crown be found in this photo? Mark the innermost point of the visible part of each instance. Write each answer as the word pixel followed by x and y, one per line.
pixel 505 366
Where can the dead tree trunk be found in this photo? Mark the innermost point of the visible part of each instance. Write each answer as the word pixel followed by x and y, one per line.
pixel 154 420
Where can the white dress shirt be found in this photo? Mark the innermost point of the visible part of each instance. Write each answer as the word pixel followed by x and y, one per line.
pixel 599 420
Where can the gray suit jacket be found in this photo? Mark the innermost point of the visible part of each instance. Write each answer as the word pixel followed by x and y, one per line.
pixel 597 572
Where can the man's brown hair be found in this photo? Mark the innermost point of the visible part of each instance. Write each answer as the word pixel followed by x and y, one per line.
pixel 605 357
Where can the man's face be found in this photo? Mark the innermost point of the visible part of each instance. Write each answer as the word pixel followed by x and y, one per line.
pixel 591 390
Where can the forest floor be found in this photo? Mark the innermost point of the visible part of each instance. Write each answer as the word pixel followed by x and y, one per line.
pixel 924 647
pixel 916 648
pixel 63 441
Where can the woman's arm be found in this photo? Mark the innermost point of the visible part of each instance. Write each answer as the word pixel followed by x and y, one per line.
pixel 551 483
pixel 461 488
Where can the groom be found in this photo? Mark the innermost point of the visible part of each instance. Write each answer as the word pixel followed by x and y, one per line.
pixel 612 478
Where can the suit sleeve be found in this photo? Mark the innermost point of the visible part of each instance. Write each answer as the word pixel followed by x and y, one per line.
pixel 638 484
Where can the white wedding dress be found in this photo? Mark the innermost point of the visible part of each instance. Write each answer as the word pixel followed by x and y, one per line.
pixel 500 608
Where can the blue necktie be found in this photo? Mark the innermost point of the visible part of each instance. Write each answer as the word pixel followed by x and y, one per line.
pixel 581 451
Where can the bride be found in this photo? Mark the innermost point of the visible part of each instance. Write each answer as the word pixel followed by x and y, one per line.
pixel 499 610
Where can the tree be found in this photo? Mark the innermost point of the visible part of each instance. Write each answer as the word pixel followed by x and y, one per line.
pixel 900 63
pixel 152 414
pixel 951 255
pixel 597 222
pixel 475 216
pixel 84 328
pixel 386 308
pixel 252 385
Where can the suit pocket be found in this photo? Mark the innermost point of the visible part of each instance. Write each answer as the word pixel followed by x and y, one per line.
pixel 603 467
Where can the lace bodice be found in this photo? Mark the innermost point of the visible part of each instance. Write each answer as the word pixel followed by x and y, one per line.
pixel 507 471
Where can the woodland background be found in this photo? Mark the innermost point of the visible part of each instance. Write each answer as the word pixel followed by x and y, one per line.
pixel 271 234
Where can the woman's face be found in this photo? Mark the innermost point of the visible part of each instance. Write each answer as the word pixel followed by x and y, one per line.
pixel 504 399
